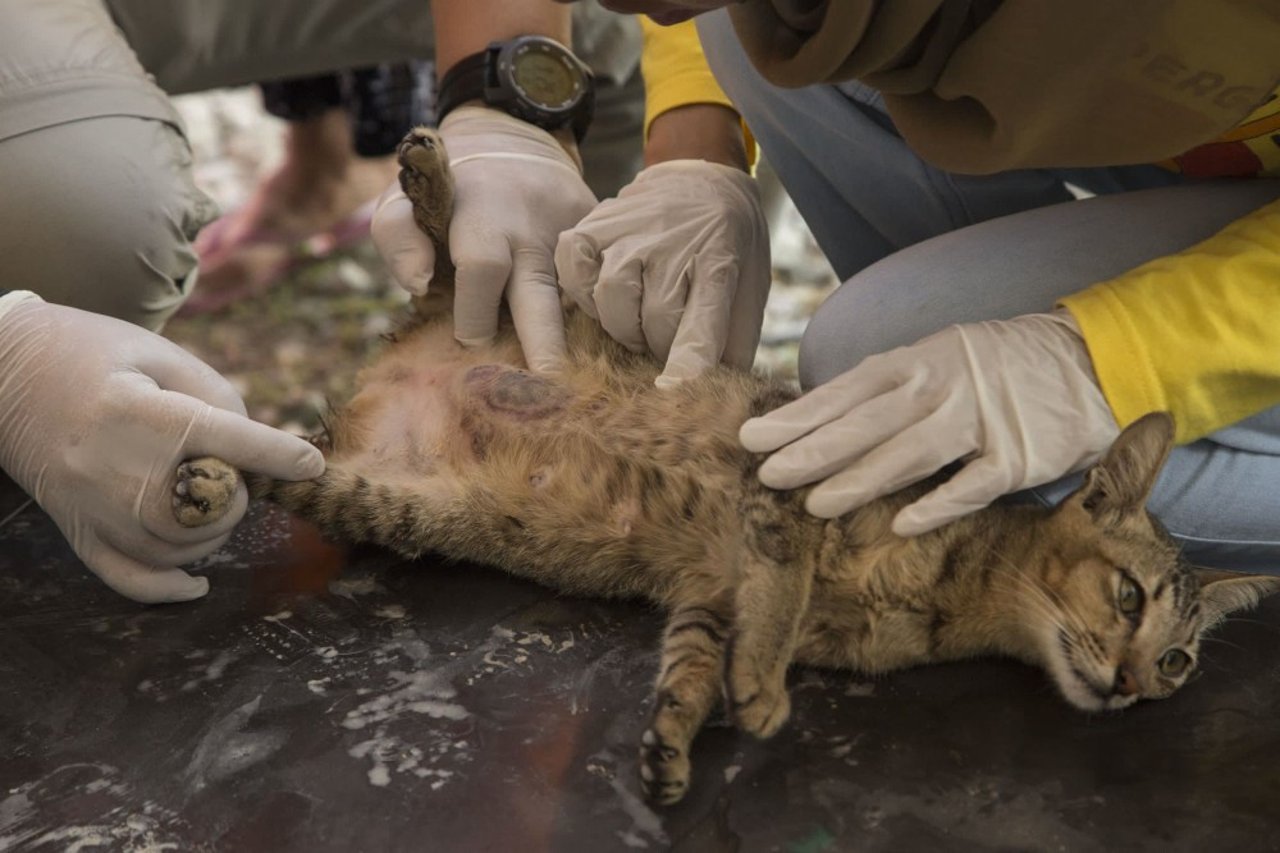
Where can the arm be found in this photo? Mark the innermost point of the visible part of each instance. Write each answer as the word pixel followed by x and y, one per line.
pixel 687 114
pixel 464 27
pixel 1024 401
pixel 1193 333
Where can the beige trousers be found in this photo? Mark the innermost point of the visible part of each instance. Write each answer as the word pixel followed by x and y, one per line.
pixel 97 205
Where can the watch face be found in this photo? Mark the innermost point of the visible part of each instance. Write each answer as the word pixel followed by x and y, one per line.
pixel 545 78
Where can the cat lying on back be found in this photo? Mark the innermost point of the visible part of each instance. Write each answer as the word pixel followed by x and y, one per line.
pixel 594 482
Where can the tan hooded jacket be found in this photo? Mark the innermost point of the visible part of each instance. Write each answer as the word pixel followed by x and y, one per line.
pixel 979 86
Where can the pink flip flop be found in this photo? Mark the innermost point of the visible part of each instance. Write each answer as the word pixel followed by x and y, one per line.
pixel 237 267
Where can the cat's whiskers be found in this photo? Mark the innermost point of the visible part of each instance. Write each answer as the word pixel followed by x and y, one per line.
pixel 1061 616
pixel 1049 599
pixel 1220 641
pixel 1038 603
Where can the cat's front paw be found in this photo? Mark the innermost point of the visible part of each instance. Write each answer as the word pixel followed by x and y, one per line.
pixel 758 702
pixel 204 491
pixel 664 768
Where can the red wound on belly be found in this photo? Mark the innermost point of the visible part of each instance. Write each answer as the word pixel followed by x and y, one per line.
pixel 516 392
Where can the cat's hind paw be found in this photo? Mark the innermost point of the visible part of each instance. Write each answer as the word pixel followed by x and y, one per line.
pixel 759 704
pixel 664 768
pixel 204 491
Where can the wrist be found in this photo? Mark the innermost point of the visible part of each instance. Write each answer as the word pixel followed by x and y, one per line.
pixel 708 132
pixel 486 119
pixel 533 78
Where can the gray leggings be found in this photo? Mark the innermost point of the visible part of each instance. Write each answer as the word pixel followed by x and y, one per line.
pixel 97 205
pixel 920 249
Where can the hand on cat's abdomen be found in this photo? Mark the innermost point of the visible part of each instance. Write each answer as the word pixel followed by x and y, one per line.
pixel 676 265
pixel 1016 400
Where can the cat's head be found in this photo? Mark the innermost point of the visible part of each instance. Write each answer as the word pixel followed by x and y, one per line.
pixel 1122 611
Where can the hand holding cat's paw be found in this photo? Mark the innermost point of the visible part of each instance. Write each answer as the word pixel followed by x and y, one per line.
pixel 1016 400
pixel 102 462
pixel 515 189
pixel 408 252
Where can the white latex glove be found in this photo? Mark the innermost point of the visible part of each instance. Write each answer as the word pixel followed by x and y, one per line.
pixel 95 416
pixel 1017 400
pixel 516 190
pixel 677 264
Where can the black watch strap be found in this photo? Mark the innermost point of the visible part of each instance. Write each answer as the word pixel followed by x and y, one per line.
pixel 472 79
pixel 464 82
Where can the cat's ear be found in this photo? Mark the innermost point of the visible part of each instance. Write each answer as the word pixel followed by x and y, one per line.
pixel 1225 592
pixel 1120 483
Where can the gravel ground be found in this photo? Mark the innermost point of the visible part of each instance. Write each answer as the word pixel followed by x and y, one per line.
pixel 296 347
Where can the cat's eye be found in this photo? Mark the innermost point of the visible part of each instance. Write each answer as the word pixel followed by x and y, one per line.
pixel 1174 663
pixel 1130 597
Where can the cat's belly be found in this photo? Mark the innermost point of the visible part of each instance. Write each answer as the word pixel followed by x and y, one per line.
pixel 433 403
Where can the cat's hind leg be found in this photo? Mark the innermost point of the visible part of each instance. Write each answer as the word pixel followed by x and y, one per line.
pixel 688 688
pixel 775 578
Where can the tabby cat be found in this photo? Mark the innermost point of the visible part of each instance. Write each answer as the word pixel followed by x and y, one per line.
pixel 594 482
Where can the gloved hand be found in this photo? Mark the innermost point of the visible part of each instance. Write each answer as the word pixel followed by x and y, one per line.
pixel 516 190
pixel 96 415
pixel 677 264
pixel 1017 400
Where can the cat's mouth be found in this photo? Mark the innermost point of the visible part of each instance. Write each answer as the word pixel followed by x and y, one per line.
pixel 1077 683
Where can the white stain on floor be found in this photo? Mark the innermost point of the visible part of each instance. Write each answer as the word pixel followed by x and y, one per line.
pixel 33 816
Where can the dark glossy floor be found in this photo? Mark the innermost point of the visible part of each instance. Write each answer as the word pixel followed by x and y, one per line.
pixel 321 701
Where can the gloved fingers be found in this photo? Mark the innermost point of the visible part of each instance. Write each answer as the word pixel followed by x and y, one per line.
pixel 407 251
pixel 618 296
pixel 704 326
pixel 577 262
pixel 251 446
pixel 747 316
pixel 482 274
pixel 908 457
pixel 174 369
pixel 822 405
pixel 973 487
pixel 838 445
pixel 535 307
pixel 138 581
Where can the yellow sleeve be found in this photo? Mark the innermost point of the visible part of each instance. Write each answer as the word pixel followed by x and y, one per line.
pixel 676 74
pixel 1196 334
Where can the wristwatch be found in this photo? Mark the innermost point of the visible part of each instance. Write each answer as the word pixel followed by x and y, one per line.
pixel 533 78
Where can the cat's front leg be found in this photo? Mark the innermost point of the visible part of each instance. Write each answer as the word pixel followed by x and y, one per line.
pixel 775 578
pixel 687 689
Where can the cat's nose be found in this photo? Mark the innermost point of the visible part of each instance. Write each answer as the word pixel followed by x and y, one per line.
pixel 1125 684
